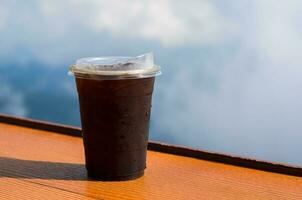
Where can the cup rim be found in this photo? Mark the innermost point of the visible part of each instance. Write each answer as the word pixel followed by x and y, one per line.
pixel 153 71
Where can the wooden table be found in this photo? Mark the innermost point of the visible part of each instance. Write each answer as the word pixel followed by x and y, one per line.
pixel 37 164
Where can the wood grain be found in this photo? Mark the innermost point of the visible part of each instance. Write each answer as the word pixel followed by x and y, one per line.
pixel 281 168
pixel 37 164
pixel 12 188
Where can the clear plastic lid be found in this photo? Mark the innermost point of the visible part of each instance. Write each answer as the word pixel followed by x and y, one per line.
pixel 115 67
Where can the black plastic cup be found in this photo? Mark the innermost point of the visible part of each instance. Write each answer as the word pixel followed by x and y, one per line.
pixel 115 118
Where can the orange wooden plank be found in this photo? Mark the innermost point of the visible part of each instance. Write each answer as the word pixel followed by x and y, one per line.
pixel 12 189
pixel 57 161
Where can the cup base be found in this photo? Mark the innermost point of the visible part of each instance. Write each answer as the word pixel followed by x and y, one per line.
pixel 102 177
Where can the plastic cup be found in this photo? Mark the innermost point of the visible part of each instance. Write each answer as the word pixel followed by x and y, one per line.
pixel 115 108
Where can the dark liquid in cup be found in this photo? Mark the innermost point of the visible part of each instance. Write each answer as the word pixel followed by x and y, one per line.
pixel 115 120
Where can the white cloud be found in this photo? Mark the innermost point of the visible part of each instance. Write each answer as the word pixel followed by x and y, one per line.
pixel 173 23
pixel 11 101
pixel 255 107
pixel 3 16
pixel 56 31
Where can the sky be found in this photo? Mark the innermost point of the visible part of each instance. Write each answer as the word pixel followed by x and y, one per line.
pixel 231 71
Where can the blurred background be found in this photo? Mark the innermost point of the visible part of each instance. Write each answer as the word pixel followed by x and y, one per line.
pixel 232 71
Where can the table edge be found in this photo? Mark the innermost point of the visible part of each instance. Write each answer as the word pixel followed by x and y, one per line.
pixel 165 148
